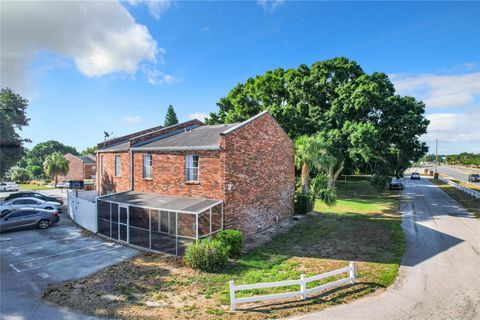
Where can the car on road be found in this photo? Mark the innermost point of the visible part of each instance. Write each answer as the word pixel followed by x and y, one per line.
pixel 8 186
pixel 29 203
pixel 62 184
pixel 31 194
pixel 474 177
pixel 396 184
pixel 27 217
pixel 415 176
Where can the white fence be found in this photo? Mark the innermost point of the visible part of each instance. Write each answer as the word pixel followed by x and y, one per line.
pixel 469 191
pixel 83 209
pixel 302 282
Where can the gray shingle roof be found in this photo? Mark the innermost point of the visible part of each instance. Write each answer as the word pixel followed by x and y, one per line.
pixel 198 138
pixel 87 159
pixel 162 202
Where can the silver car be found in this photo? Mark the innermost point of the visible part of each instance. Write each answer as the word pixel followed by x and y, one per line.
pixel 29 202
pixel 27 217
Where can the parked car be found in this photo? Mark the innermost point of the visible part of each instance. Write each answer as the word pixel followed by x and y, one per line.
pixel 32 194
pixel 27 217
pixel 62 184
pixel 29 202
pixel 396 184
pixel 8 186
pixel 474 177
pixel 415 176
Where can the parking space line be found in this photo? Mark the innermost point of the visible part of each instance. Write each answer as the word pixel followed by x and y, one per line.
pixel 60 261
pixel 60 253
pixel 37 244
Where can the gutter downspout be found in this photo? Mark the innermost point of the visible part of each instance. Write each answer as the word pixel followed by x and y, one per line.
pixel 131 166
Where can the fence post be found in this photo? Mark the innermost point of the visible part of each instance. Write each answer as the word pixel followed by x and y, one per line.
pixel 303 287
pixel 352 271
pixel 232 296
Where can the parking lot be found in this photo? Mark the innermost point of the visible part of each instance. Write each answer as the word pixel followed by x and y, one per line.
pixel 32 259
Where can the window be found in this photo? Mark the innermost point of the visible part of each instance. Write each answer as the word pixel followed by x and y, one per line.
pixel 118 166
pixel 191 167
pixel 147 166
pixel 19 214
pixel 101 165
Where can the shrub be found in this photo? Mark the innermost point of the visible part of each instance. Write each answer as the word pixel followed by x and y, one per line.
pixel 303 202
pixel 20 175
pixel 380 181
pixel 207 255
pixel 232 240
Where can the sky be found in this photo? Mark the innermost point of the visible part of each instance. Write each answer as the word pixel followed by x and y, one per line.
pixel 89 67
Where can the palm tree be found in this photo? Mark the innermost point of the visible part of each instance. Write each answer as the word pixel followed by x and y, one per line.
pixel 54 165
pixel 310 154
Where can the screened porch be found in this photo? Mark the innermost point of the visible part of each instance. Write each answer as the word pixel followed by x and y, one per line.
pixel 157 222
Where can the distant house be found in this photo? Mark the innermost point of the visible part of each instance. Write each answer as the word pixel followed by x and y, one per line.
pixel 80 168
pixel 163 187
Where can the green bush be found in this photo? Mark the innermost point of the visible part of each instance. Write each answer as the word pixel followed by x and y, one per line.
pixel 207 255
pixel 232 240
pixel 380 181
pixel 303 202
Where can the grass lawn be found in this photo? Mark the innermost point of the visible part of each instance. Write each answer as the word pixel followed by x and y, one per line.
pixel 34 187
pixel 468 202
pixel 363 227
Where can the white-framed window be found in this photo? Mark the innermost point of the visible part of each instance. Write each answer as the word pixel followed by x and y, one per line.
pixel 147 166
pixel 118 166
pixel 191 168
pixel 102 167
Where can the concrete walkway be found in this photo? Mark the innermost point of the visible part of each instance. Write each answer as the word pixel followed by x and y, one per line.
pixel 440 275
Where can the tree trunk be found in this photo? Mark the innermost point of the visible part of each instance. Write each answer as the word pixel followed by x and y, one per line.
pixel 55 178
pixel 333 179
pixel 305 176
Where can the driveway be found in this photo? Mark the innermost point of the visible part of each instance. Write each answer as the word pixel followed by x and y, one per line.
pixel 30 260
pixel 440 275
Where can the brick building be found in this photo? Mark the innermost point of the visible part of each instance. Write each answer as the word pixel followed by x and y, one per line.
pixel 79 168
pixel 162 187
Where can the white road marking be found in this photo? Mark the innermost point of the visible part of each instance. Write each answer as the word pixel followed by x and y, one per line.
pixel 37 244
pixel 58 254
pixel 69 259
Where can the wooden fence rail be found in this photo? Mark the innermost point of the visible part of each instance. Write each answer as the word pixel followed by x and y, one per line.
pixel 302 282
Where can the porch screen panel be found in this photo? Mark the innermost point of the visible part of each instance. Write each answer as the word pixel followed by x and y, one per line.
pixel 161 239
pixel 204 223
pixel 217 218
pixel 103 219
pixel 139 219
pixel 187 225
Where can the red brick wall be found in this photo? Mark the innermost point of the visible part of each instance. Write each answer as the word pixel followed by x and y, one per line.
pixel 90 170
pixel 259 164
pixel 168 175
pixel 108 182
pixel 75 169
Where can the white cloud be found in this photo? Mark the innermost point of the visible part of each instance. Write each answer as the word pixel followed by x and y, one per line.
pixel 101 37
pixel 198 115
pixel 131 119
pixel 454 127
pixel 156 7
pixel 440 91
pixel 270 5
pixel 156 76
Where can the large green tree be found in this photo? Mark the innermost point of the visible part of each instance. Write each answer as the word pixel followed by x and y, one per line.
pixel 352 112
pixel 12 119
pixel 171 117
pixel 54 165
pixel 89 150
pixel 37 155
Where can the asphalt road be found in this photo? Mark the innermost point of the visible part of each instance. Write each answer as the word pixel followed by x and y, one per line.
pixel 440 273
pixel 457 173
pixel 32 259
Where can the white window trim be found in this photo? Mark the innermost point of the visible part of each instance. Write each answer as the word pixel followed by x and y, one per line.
pixel 119 173
pixel 102 164
pixel 145 168
pixel 187 167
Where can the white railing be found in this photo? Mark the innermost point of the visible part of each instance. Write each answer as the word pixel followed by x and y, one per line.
pixel 83 210
pixel 302 282
pixel 469 191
